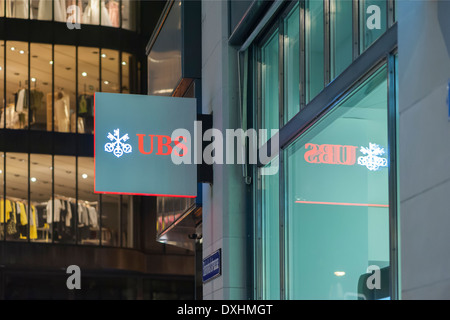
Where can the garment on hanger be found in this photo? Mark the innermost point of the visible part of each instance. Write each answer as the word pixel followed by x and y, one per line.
pixel 56 213
pixel 22 100
pixel 113 8
pixel 62 112
pixel 93 219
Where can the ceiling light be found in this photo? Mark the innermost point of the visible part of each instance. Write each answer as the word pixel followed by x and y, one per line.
pixel 51 62
pixel 103 55
pixel 124 63
pixel 106 82
pixel 21 52
pixel 339 273
pixel 33 179
pixel 1 68
pixel 84 74
pixel 12 48
pixel 1 171
pixel 84 176
pixel 33 79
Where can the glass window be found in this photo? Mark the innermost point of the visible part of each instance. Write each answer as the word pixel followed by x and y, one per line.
pixel 41 66
pixel 88 233
pixel 64 99
pixel 110 215
pixel 91 12
pixel 2 197
pixel 41 9
pixel 126 66
pixel 16 9
pixel 64 219
pixel 2 78
pixel 337 221
pixel 129 8
pixel 16 196
pixel 341 32
pixel 40 195
pixel 16 85
pixel 110 71
pixel 292 63
pixel 127 221
pixel 269 76
pixel 314 35
pixel 88 84
pixel 270 236
pixel 373 21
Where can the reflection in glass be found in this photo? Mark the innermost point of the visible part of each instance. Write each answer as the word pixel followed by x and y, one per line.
pixel 41 66
pixel 314 48
pixel 64 99
pixel 40 195
pixel 337 220
pixel 64 214
pixel 292 63
pixel 88 84
pixel 88 233
pixel 110 71
pixel 16 196
pixel 16 85
pixel 341 32
pixel 269 60
pixel 110 215
pixel 270 236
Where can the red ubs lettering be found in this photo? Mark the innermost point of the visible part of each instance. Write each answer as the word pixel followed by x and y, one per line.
pixel 330 154
pixel 163 144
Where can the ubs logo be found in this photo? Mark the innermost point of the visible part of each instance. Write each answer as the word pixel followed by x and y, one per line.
pixel 346 155
pixel 117 145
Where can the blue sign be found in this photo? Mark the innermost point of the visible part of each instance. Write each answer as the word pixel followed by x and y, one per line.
pixel 136 142
pixel 212 266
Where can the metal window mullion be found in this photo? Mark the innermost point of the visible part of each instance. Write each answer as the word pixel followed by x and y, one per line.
pixel 356 31
pixel 28 139
pixel 281 103
pixel 99 211
pixel 120 220
pixel 393 203
pixel 302 58
pixel 326 44
pixel 390 6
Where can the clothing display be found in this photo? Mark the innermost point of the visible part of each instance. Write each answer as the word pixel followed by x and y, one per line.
pixel 14 215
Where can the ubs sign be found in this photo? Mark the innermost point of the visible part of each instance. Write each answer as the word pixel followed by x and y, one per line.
pixel 133 145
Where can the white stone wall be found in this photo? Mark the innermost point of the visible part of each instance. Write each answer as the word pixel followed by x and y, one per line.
pixel 424 148
pixel 224 201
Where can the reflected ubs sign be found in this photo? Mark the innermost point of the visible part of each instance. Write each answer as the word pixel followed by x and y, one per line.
pixel 372 156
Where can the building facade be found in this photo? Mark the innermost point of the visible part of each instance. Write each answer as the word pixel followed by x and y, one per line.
pixel 54 55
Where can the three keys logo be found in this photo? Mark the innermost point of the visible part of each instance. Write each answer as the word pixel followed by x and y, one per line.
pixel 117 145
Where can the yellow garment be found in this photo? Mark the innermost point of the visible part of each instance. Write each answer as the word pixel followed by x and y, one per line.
pixel 6 212
pixel 33 228
pixel 23 214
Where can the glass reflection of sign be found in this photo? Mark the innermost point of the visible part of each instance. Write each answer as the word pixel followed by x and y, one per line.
pixel 345 155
